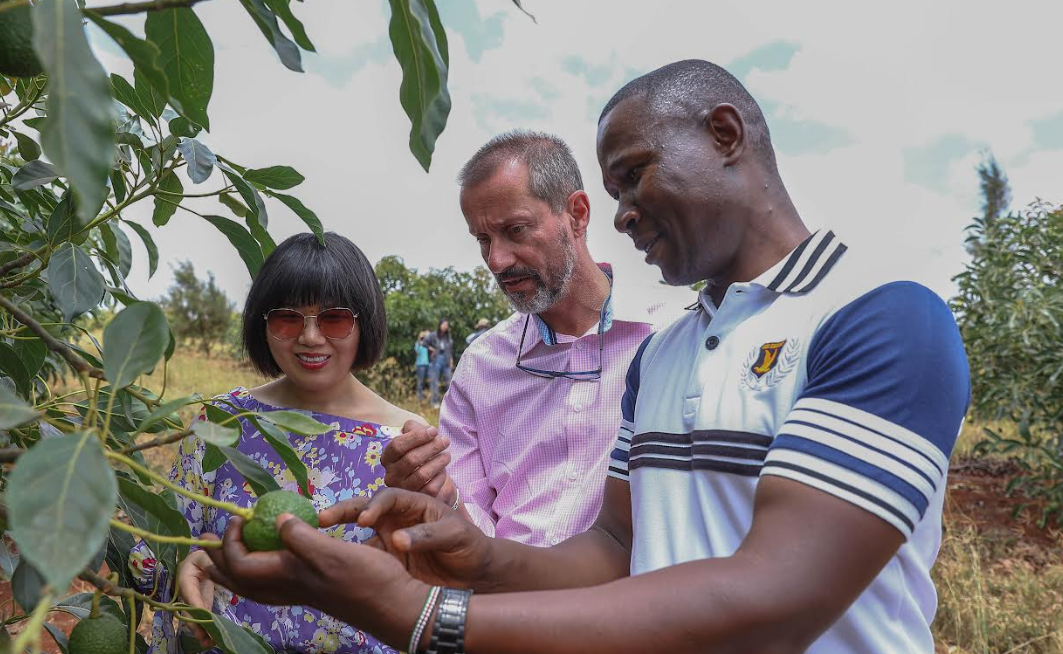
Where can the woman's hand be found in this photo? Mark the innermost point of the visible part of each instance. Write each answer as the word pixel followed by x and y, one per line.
pixel 196 588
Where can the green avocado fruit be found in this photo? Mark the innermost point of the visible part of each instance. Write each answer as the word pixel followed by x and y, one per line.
pixel 103 635
pixel 17 57
pixel 260 532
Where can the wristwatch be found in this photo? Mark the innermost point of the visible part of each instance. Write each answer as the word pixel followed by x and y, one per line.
pixel 448 632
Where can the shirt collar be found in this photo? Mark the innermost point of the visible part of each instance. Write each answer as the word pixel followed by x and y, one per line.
pixel 798 272
pixel 605 319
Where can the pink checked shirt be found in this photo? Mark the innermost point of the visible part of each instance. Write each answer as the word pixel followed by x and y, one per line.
pixel 529 454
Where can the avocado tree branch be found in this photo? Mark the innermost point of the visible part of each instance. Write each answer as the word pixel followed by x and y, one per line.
pixel 55 345
pixel 147 445
pixel 24 260
pixel 140 7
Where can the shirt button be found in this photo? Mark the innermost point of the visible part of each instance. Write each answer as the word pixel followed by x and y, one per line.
pixel 577 408
pixel 572 476
pixel 555 540
pixel 579 345
pixel 711 342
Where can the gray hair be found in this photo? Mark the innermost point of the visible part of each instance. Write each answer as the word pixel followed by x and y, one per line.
pixel 552 171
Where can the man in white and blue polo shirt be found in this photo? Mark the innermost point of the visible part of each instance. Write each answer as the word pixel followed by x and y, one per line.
pixel 778 479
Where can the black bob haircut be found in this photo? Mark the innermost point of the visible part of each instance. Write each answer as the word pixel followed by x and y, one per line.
pixel 302 271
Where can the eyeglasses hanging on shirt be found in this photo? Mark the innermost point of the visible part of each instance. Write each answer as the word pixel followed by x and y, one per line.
pixel 583 375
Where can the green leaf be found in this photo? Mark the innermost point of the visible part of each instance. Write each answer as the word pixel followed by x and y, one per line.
pixel 182 126
pixel 119 249
pixel 257 217
pixel 187 59
pixel 133 342
pixel 12 364
pixel 27 147
pixel 235 205
pixel 275 177
pixel 296 422
pixel 145 54
pixel 261 235
pixel 283 11
pixel 252 199
pixel 230 637
pixel 14 412
pixel 75 283
pixel 278 440
pixel 32 175
pixel 118 184
pixel 308 216
pixel 61 496
pixel 79 135
pixel 157 515
pixel 125 298
pixel 32 352
pixel 167 411
pixel 63 223
pixel 149 245
pixel 216 434
pixel 35 123
pixel 125 249
pixel 199 158
pixel 127 95
pixel 80 606
pixel 420 45
pixel 153 101
pixel 167 199
pixel 213 458
pixel 26 586
pixel 267 24
pixel 248 249
pixel 256 476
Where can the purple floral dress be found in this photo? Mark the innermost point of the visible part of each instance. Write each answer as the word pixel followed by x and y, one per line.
pixel 341 464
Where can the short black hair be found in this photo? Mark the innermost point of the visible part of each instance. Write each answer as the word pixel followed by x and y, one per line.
pixel 687 88
pixel 302 271
pixel 553 174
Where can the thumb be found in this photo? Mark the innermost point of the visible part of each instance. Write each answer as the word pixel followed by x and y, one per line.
pixel 299 538
pixel 430 536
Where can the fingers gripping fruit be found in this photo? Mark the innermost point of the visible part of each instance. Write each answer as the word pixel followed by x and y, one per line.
pixel 260 532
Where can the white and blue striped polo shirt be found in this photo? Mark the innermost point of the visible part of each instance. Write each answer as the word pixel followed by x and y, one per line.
pixel 819 371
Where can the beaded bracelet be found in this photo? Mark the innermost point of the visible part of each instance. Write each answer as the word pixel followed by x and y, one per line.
pixel 422 621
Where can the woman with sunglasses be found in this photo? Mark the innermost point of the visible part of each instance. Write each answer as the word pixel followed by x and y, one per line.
pixel 314 314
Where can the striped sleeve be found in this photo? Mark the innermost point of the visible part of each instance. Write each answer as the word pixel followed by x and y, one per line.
pixel 888 387
pixel 619 458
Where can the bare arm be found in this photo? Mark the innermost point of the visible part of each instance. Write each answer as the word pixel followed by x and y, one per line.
pixel 807 557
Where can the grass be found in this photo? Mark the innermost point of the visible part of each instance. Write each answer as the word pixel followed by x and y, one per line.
pixel 996 595
pixel 998 592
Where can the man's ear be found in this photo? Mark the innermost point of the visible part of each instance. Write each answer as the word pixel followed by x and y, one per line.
pixel 728 132
pixel 578 209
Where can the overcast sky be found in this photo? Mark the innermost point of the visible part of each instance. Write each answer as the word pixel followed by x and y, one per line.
pixel 879 114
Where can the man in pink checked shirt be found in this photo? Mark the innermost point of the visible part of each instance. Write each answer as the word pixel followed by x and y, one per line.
pixel 532 414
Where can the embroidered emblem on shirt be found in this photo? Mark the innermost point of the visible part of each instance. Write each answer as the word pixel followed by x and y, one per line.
pixel 767 364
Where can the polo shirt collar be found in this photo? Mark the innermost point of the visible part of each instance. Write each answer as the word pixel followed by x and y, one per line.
pixel 798 272
pixel 605 319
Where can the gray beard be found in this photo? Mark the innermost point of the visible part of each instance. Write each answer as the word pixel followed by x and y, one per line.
pixel 547 295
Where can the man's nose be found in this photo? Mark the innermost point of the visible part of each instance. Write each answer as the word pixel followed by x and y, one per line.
pixel 499 257
pixel 626 218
